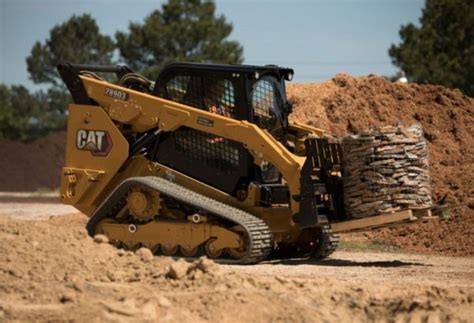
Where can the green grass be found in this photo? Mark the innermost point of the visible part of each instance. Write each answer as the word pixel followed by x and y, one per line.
pixel 376 245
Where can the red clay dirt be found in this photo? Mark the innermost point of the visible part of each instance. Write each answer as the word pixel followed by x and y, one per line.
pixel 341 106
pixel 33 166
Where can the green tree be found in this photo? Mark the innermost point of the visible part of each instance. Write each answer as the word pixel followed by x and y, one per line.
pixel 183 30
pixel 77 40
pixel 25 116
pixel 441 49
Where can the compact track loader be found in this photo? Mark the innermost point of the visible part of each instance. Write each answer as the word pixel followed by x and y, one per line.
pixel 203 161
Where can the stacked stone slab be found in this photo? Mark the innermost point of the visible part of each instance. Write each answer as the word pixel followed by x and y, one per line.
pixel 385 170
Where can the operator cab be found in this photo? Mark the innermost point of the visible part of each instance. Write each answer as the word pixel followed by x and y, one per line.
pixel 243 92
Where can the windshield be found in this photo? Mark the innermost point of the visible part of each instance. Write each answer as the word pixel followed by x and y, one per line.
pixel 267 105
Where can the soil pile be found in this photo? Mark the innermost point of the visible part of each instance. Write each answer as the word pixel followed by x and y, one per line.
pixel 33 166
pixel 51 270
pixel 346 105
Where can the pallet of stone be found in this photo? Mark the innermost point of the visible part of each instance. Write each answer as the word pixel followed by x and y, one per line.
pixel 385 170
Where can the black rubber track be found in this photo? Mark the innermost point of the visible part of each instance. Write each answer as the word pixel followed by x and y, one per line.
pixel 327 243
pixel 258 233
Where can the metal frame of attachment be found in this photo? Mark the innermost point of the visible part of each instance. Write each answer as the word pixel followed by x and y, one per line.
pixel 404 216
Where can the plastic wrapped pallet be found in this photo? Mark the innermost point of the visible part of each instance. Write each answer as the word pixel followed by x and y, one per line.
pixel 385 170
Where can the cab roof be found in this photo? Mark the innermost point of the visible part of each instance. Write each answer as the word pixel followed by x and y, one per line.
pixel 237 68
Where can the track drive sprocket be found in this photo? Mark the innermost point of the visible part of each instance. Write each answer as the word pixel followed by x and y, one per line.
pixel 143 204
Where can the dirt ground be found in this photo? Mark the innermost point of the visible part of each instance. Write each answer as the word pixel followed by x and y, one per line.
pixel 51 270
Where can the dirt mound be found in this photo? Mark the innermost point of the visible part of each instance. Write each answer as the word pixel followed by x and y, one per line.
pixel 51 270
pixel 345 105
pixel 32 166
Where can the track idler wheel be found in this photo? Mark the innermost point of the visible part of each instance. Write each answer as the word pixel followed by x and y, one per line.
pixel 238 253
pixel 211 251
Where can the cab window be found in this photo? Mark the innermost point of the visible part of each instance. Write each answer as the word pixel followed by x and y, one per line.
pixel 267 104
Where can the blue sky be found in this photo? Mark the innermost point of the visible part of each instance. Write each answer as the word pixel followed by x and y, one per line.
pixel 317 38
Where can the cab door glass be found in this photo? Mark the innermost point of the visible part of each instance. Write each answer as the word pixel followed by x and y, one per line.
pixel 266 105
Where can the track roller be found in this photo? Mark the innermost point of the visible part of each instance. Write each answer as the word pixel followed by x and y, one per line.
pixel 189 252
pixel 169 250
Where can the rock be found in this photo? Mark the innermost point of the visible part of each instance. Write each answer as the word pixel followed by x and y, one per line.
pixel 148 311
pixel 78 285
pixel 145 254
pixel 66 298
pixel 281 280
pixel 164 302
pixel 382 162
pixel 117 275
pixel 101 238
pixel 15 273
pixel 125 308
pixel 178 269
pixel 207 265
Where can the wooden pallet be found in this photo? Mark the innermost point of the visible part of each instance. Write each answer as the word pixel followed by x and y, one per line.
pixel 391 219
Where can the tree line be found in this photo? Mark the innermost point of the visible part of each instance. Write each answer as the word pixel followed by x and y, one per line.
pixel 440 51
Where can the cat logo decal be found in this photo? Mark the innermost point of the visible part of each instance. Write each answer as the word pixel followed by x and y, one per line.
pixel 98 142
